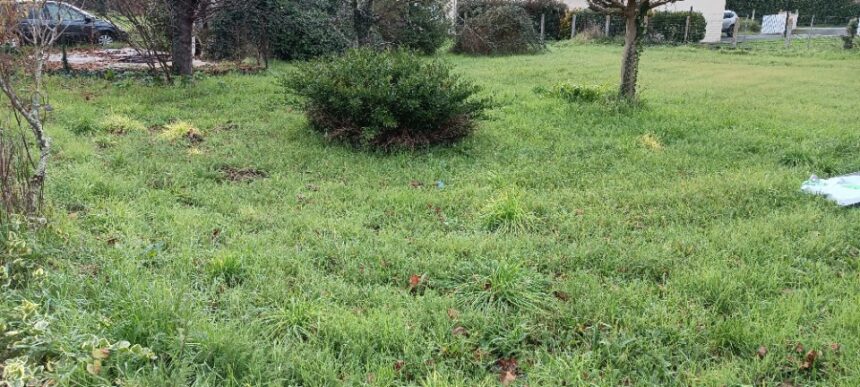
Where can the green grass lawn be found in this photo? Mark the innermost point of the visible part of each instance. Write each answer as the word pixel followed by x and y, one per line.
pixel 658 245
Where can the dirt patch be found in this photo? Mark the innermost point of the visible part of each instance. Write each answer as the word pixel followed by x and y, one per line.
pixel 228 126
pixel 92 58
pixel 242 175
pixel 95 60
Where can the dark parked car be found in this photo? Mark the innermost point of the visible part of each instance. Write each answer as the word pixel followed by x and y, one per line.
pixel 75 24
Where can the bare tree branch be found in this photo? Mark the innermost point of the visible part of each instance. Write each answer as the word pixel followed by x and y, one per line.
pixel 33 27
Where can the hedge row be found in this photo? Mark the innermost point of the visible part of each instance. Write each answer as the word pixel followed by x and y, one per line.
pixel 821 8
pixel 669 27
pixel 500 30
pixel 663 27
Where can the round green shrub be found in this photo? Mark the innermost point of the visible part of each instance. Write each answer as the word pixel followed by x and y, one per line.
pixel 467 9
pixel 310 28
pixel 505 29
pixel 553 11
pixel 386 99
pixel 420 25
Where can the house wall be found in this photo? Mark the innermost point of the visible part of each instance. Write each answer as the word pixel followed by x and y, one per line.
pixel 711 9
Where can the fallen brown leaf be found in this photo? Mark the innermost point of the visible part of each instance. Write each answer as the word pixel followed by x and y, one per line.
pixel 507 377
pixel 453 314
pixel 762 352
pixel 561 295
pixel 835 347
pixel 508 364
pixel 194 136
pixel 399 365
pixel 414 281
pixel 95 367
pixel 459 331
pixel 100 353
pixel 809 359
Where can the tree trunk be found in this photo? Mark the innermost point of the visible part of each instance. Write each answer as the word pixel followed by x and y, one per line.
pixel 362 19
pixel 182 23
pixel 630 59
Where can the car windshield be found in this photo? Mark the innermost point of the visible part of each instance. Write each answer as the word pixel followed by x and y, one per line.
pixel 728 15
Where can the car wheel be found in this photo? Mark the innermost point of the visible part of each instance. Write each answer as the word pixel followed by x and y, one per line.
pixel 731 32
pixel 105 39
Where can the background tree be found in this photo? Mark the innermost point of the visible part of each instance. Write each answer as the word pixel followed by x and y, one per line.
pixel 420 25
pixel 634 13
pixel 363 19
pixel 183 15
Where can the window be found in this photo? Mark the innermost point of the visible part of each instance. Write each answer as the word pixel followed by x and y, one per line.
pixel 75 14
pixel 728 15
pixel 56 12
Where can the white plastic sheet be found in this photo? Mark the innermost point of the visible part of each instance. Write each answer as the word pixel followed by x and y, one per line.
pixel 844 190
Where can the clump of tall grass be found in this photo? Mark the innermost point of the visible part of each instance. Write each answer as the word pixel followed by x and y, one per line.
pixel 508 213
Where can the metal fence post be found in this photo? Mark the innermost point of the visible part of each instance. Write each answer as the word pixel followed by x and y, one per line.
pixel 606 29
pixel 735 35
pixel 647 26
pixel 542 28
pixel 687 27
pixel 573 26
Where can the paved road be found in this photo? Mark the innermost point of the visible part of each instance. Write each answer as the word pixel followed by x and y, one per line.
pixel 800 33
pixel 821 31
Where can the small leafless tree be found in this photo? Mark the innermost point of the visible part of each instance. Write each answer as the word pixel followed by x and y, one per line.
pixel 634 12
pixel 148 22
pixel 26 47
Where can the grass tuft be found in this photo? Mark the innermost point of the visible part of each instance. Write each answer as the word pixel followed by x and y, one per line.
pixel 120 124
pixel 227 268
pixel 295 321
pixel 508 213
pixel 505 286
pixel 181 130
pixel 651 142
